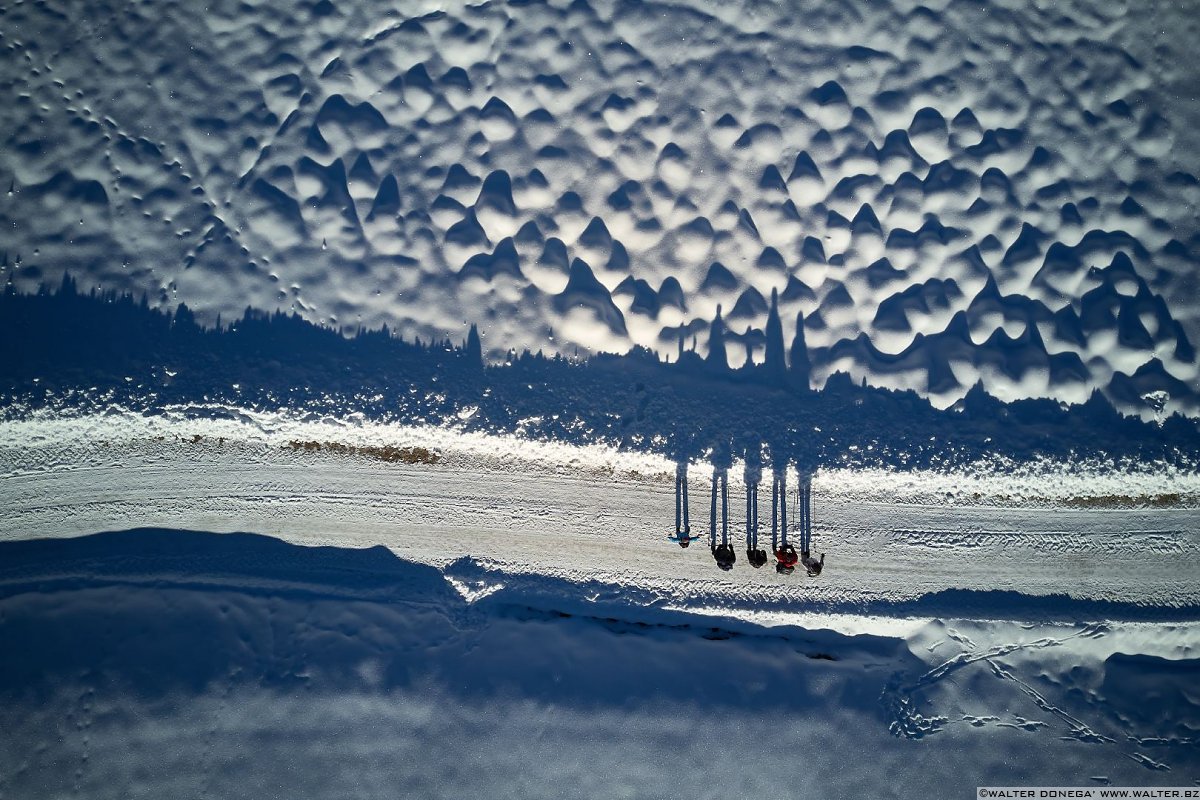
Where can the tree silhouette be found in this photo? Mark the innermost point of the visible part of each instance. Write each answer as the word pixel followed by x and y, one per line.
pixel 473 349
pixel 717 356
pixel 775 364
pixel 801 367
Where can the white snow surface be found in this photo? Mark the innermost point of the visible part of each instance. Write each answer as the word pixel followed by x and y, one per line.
pixel 557 644
pixel 589 176
pixel 948 192
pixel 592 513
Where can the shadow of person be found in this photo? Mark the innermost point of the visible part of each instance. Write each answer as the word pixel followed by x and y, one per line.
pixel 754 554
pixel 785 553
pixel 723 552
pixel 683 529
pixel 812 566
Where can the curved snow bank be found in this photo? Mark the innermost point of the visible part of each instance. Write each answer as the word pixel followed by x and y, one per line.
pixel 40 440
pixel 151 663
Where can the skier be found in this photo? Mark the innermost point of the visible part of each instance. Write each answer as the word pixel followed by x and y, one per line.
pixel 682 528
pixel 812 566
pixel 723 552
pixel 754 554
pixel 785 554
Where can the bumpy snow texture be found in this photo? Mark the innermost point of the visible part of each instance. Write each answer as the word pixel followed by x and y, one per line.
pixel 948 192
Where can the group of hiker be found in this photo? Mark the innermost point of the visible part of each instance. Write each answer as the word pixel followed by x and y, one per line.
pixel 723 551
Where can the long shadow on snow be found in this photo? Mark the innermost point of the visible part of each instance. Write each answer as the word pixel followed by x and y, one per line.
pixel 153 613
pixel 91 352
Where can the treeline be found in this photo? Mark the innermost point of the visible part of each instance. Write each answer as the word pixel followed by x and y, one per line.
pixel 64 346
pixel 55 331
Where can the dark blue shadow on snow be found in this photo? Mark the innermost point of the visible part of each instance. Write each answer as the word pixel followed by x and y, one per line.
pixel 153 613
pixel 161 616
pixel 90 351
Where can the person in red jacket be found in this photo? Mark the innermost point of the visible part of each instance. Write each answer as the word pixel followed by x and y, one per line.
pixel 786 559
pixel 785 554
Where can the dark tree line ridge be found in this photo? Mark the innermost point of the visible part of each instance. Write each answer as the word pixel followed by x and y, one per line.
pixel 66 348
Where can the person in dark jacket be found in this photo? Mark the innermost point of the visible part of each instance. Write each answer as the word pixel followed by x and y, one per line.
pixel 725 556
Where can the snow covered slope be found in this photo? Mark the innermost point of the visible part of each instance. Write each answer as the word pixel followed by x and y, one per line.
pixel 947 192
pixel 166 663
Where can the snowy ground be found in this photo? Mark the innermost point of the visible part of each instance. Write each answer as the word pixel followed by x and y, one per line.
pixel 576 651
pixel 593 513
pixel 948 192
pixel 209 601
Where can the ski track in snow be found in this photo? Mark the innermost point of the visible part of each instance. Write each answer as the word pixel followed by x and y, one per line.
pixel 1067 694
pixel 910 723
pixel 580 513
